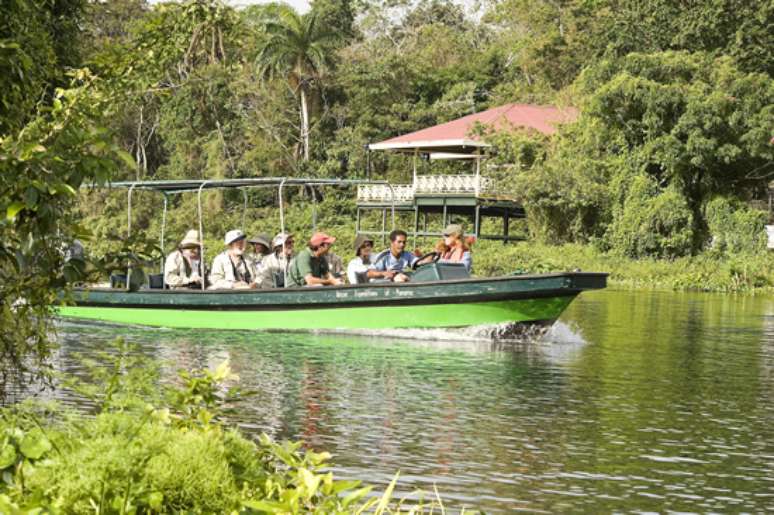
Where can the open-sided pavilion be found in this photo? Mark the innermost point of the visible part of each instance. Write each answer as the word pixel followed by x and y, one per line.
pixel 472 196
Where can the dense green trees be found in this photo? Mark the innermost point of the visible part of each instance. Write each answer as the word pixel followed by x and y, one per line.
pixel 677 94
pixel 299 49
pixel 51 142
pixel 661 134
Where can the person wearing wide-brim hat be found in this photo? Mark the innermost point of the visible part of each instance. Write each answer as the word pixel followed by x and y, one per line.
pixel 183 267
pixel 361 268
pixel 231 269
pixel 456 249
pixel 261 244
pixel 274 267
pixel 261 249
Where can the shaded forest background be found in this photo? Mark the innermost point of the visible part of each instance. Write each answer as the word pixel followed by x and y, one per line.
pixel 677 103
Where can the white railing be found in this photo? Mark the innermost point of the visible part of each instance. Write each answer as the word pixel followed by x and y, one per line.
pixel 381 193
pixel 452 184
pixel 433 184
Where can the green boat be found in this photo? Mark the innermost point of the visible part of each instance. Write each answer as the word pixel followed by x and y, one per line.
pixel 522 299
pixel 439 295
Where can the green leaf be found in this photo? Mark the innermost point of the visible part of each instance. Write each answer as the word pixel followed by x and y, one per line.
pixel 34 444
pixel 7 455
pixel 62 188
pixel 310 482
pixel 155 501
pixel 267 506
pixel 356 496
pixel 385 499
pixel 13 209
pixel 31 198
pixel 127 158
pixel 340 486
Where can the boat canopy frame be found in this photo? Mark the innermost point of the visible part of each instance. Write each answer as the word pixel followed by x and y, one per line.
pixel 175 187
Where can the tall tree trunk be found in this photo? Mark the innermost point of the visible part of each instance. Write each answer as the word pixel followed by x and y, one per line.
pixel 304 124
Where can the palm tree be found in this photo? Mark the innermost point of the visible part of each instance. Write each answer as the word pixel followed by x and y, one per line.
pixel 298 48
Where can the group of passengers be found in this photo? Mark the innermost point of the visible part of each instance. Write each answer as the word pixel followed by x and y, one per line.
pixel 275 264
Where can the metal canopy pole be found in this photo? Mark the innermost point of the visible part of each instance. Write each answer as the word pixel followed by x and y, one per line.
pixel 478 221
pixel 392 203
pixel 201 233
pixel 282 230
pixel 478 173
pixel 414 163
pixel 163 228
pixel 416 224
pixel 244 208
pixel 368 162
pixel 314 208
pixel 129 232
pixel 281 206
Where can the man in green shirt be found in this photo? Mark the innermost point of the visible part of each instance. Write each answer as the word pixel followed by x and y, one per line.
pixel 310 268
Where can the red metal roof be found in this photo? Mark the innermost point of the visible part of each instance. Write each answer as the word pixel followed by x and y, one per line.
pixel 455 135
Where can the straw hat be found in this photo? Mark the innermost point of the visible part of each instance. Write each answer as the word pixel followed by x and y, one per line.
pixel 191 240
pixel 454 229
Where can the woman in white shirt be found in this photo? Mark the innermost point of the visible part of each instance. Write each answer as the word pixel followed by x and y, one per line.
pixel 362 265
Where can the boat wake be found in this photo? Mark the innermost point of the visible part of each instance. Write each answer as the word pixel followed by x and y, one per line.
pixel 558 332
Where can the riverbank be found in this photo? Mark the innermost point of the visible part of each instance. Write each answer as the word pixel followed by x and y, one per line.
pixel 705 272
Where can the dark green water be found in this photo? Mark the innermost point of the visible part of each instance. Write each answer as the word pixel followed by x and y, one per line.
pixel 635 402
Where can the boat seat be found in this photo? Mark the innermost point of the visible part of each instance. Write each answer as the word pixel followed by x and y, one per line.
pixel 156 281
pixel 118 280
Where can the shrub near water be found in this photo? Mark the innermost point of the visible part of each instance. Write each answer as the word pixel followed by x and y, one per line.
pixel 709 271
pixel 652 222
pixel 132 457
pixel 735 228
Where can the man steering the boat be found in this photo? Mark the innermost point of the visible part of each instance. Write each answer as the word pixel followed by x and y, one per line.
pixel 392 262
pixel 310 268
pixel 231 269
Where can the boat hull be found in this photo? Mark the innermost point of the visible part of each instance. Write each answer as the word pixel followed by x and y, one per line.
pixel 519 299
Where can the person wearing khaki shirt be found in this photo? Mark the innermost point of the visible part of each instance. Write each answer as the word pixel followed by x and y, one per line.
pixel 231 269
pixel 276 263
pixel 183 267
pixel 261 248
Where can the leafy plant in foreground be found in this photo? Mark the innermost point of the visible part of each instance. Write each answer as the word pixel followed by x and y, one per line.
pixel 134 456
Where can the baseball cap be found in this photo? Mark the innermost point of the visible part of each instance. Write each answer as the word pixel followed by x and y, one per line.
pixel 319 238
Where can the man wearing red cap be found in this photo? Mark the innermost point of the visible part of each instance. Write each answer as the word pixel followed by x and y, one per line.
pixel 310 268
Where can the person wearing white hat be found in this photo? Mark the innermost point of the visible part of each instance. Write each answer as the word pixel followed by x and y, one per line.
pixel 275 265
pixel 231 269
pixel 183 267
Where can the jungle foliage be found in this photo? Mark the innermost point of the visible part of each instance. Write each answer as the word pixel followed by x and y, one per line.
pixel 677 102
pixel 674 136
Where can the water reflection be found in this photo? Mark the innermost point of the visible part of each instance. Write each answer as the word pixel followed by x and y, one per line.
pixel 637 401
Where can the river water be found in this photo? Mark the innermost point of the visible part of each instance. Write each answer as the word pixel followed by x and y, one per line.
pixel 635 401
